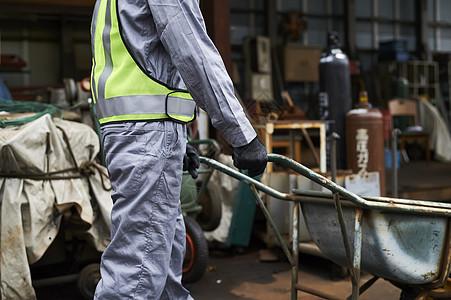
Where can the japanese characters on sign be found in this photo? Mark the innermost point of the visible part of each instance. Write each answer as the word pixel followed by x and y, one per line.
pixel 362 150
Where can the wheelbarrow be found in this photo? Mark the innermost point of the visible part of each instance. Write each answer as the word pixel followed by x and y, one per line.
pixel 406 242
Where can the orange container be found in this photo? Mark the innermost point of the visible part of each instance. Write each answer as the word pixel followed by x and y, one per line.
pixel 365 142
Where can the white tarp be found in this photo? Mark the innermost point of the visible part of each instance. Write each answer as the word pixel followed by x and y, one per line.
pixel 31 209
pixel 225 187
pixel 440 137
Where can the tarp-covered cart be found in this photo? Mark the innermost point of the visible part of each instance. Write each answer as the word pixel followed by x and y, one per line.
pixel 49 181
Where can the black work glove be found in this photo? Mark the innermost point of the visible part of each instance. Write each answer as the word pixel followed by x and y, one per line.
pixel 191 161
pixel 252 157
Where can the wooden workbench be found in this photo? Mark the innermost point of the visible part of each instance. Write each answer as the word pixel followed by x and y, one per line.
pixel 268 129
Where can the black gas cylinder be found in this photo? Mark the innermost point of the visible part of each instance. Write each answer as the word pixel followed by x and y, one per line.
pixel 335 94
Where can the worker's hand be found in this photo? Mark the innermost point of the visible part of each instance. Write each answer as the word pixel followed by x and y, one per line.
pixel 252 157
pixel 191 161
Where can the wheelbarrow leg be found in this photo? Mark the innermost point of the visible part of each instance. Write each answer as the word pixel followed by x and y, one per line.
pixel 271 223
pixel 295 251
pixel 357 253
pixel 354 265
pixel 292 258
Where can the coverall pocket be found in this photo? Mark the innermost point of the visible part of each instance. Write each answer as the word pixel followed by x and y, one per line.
pixel 124 157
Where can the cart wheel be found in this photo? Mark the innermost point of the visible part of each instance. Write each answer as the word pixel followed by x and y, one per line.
pixel 338 272
pixel 196 255
pixel 210 216
pixel 88 279
pixel 410 293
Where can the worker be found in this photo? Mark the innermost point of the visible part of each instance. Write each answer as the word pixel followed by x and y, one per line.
pixel 152 63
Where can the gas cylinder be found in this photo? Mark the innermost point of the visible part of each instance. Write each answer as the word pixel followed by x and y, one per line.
pixel 365 140
pixel 335 93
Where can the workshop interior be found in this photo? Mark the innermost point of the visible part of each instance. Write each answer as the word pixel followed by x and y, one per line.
pixel 351 100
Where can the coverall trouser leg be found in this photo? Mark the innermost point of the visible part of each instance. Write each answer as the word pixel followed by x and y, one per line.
pixel 145 255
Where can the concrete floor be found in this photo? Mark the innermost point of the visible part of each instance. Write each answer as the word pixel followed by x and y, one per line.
pixel 244 276
pixel 233 275
pixel 422 180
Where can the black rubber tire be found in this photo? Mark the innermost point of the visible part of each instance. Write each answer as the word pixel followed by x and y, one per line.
pixel 196 255
pixel 338 272
pixel 409 292
pixel 87 280
pixel 211 213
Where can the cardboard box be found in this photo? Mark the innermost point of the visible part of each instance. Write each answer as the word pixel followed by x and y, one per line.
pixel 301 63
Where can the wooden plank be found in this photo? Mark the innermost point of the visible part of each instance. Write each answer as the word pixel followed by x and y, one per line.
pixel 13 116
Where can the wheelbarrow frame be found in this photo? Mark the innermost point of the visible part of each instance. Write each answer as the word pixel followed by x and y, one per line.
pixel 341 197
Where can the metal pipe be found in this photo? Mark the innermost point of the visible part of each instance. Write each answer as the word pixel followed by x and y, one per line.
pixel 357 252
pixel 55 280
pixel 292 143
pixel 272 224
pixel 333 155
pixel 365 286
pixel 325 195
pixel 244 178
pixel 439 295
pixel 295 251
pixel 394 145
pixel 391 205
pixel 344 235
pixel 379 203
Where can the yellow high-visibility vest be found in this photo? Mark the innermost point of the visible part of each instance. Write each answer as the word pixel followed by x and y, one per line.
pixel 120 89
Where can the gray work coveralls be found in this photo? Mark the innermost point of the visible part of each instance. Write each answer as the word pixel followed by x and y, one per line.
pixel 168 39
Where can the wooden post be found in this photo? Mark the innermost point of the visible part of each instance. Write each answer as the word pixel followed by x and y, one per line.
pixel 217 19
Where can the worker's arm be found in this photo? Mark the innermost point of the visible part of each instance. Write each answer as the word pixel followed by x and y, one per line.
pixel 181 29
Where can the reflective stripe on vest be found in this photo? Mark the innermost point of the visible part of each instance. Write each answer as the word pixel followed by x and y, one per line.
pixel 141 107
pixel 121 90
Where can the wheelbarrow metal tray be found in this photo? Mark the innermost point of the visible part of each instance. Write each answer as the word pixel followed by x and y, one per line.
pixel 401 247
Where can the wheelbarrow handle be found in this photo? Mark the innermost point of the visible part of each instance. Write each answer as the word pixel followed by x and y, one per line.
pixel 286 162
pixel 380 203
pixel 244 178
